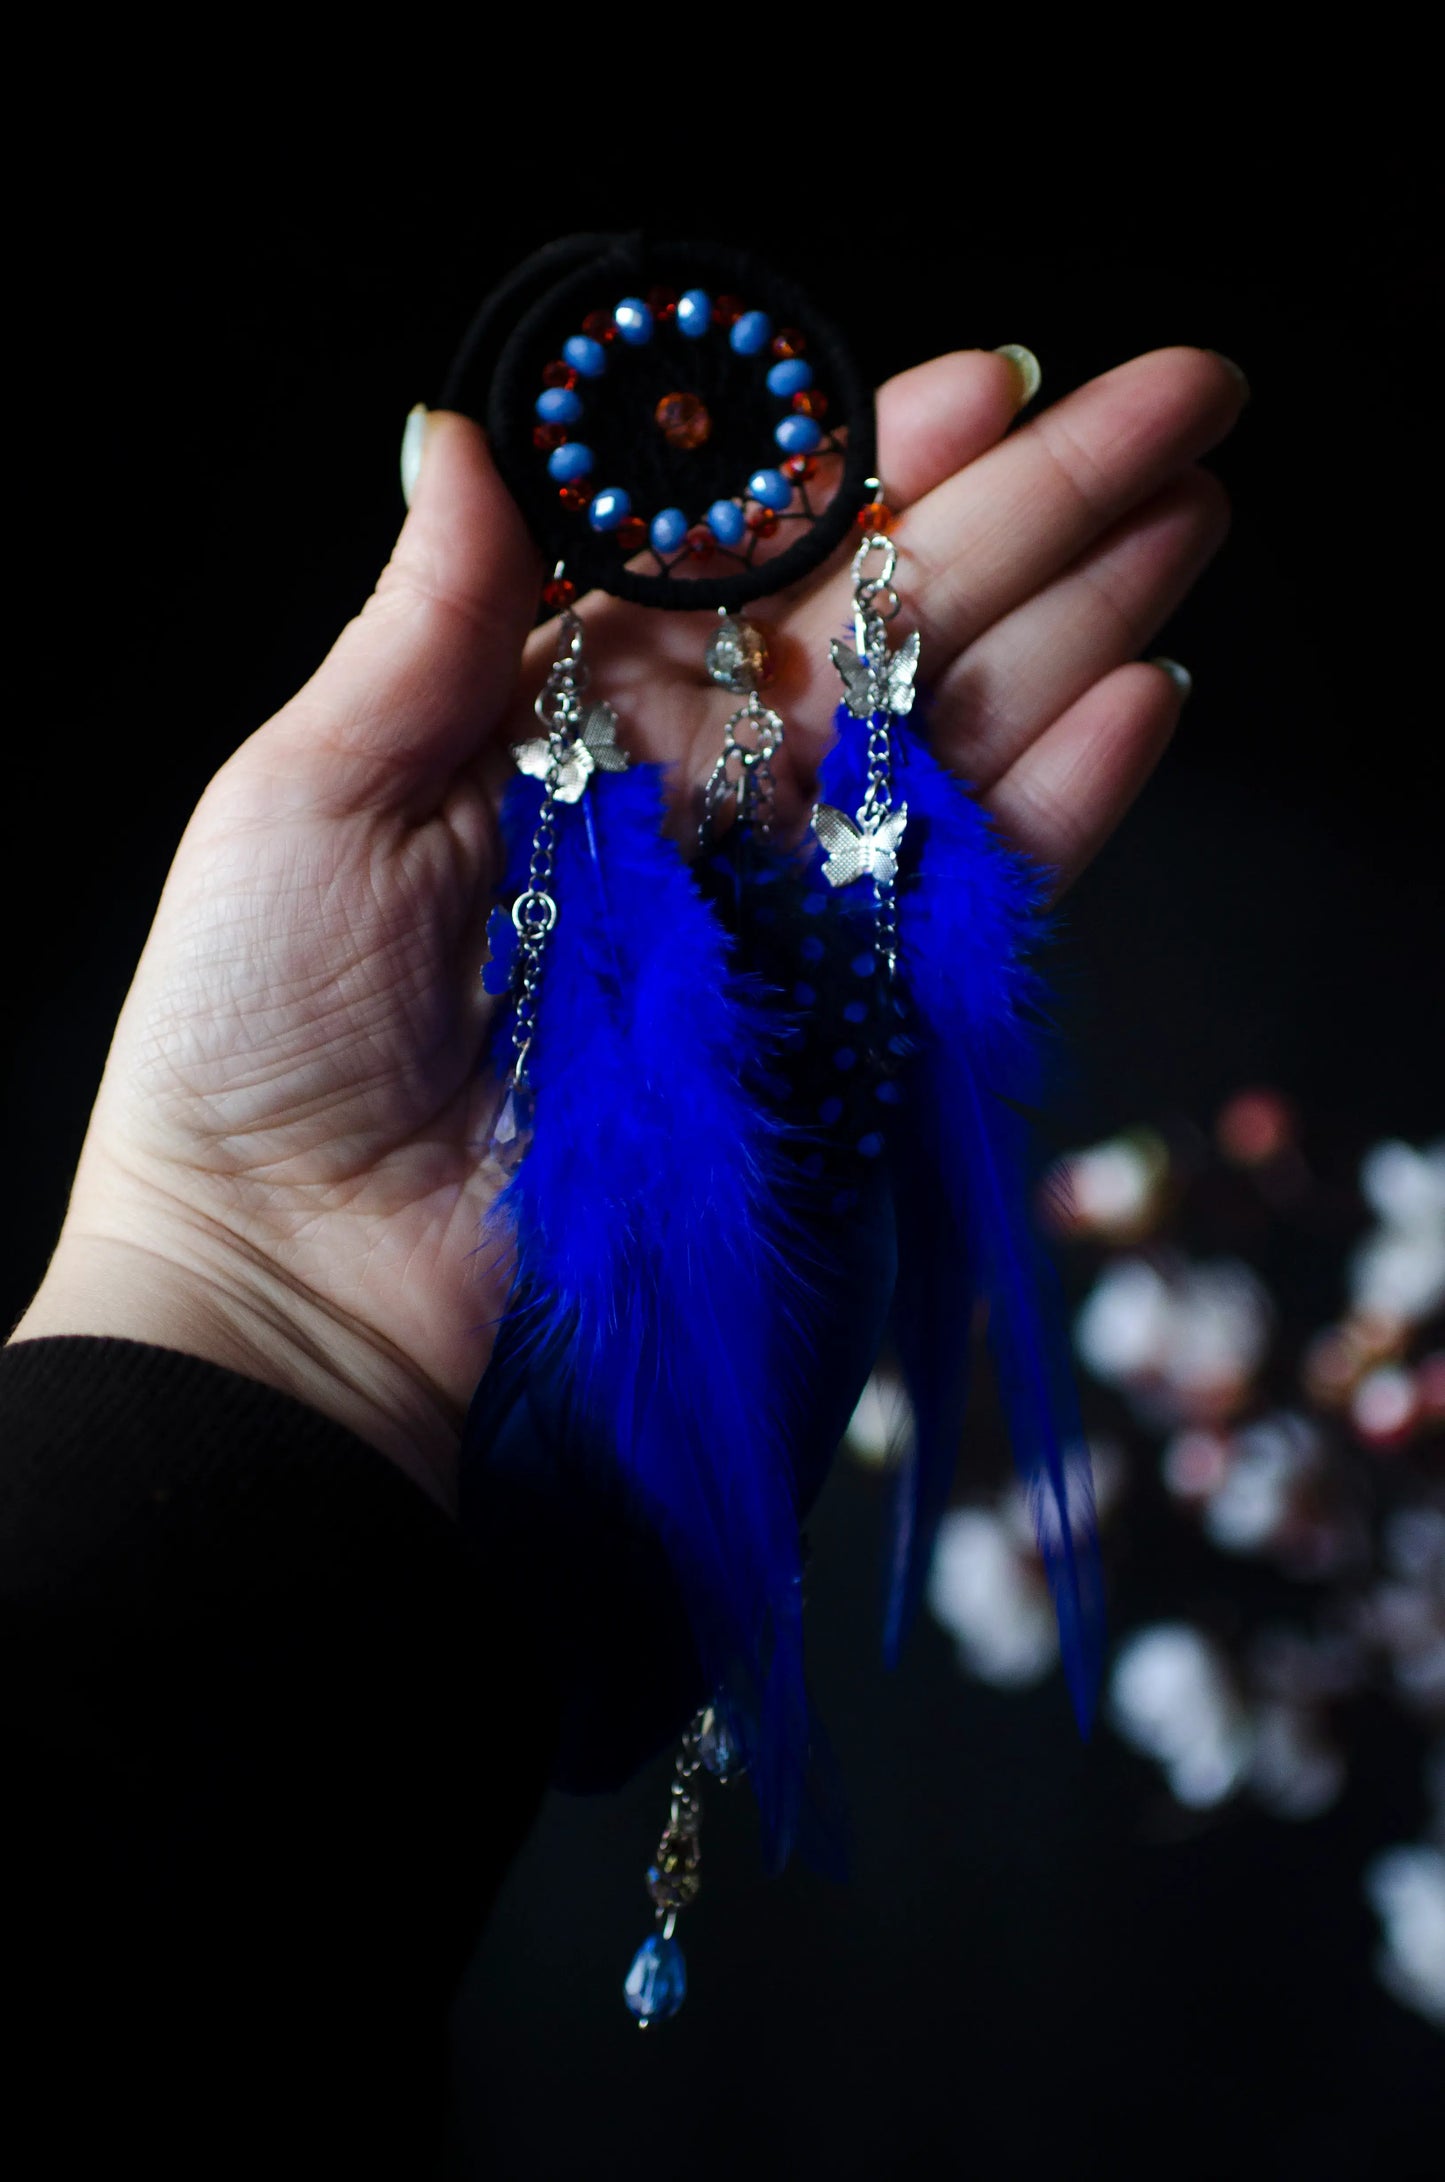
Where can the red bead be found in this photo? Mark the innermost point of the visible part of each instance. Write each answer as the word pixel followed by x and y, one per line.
pixel 548 436
pixel 598 326
pixel 727 309
pixel 682 420
pixel 559 374
pixel 574 496
pixel 875 516
pixel 810 403
pixel 762 520
pixel 631 534
pixel 700 542
pixel 560 592
pixel 662 302
pixel 799 468
pixel 789 342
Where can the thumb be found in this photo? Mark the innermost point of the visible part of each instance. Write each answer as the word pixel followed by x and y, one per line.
pixel 414 686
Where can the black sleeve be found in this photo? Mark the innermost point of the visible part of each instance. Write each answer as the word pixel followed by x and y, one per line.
pixel 269 1748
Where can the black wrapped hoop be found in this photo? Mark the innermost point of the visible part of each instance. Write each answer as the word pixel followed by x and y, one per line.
pixel 497 376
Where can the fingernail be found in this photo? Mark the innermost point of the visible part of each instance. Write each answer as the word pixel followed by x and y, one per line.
pixel 1231 366
pixel 413 444
pixel 1026 370
pixel 1182 679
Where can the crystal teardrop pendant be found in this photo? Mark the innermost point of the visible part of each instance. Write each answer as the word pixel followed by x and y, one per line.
pixel 657 1982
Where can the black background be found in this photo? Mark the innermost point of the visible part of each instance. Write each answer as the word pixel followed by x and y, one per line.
pixel 1033 1963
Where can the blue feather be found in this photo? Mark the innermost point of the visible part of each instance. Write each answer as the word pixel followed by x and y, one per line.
pixel 969 914
pixel 659 1306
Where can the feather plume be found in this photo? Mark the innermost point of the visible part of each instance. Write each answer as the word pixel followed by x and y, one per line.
pixel 962 1170
pixel 657 1316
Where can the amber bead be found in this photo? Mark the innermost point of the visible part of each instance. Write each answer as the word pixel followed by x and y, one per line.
pixel 548 436
pixel 875 516
pixel 559 592
pixel 727 310
pixel 662 302
pixel 810 403
pixel 799 468
pixel 682 420
pixel 631 534
pixel 574 496
pixel 763 520
pixel 789 342
pixel 598 326
pixel 700 542
pixel 559 374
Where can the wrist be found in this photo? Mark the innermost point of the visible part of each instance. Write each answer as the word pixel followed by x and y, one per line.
pixel 185 1284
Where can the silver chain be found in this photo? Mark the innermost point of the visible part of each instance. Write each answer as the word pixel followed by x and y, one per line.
pixel 560 709
pixel 875 602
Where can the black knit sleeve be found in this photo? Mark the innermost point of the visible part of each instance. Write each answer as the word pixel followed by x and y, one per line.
pixel 269 1748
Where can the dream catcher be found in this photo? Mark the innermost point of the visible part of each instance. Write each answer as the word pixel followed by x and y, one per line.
pixel 763 1103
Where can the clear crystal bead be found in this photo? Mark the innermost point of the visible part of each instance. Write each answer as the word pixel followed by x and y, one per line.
pixel 511 1136
pixel 737 656
pixel 718 1747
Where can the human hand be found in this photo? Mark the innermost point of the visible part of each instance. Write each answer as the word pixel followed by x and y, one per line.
pixel 283 1171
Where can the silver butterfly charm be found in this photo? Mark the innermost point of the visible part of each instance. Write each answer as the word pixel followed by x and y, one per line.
pixel 878 684
pixel 859 852
pixel 594 751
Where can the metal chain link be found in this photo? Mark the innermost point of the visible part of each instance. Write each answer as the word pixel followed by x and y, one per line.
pixel 560 709
pixel 875 602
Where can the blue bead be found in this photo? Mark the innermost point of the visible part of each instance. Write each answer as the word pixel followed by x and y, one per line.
pixel 815 905
pixel 805 995
pixel 813 1166
pixel 845 1058
pixel 585 355
pixel 862 965
pixel 889 1092
pixel 798 435
pixel 771 487
pixel 871 1145
pixel 657 1982
pixel 725 521
pixel 608 507
pixel 829 1112
pixel 633 321
pixel 694 313
pixel 751 333
pixel 812 948
pixel 845 1200
pixel 790 376
pixel 669 528
pixel 558 405
pixel 856 1011
pixel 569 460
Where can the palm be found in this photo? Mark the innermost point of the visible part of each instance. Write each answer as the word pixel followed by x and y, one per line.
pixel 301 1042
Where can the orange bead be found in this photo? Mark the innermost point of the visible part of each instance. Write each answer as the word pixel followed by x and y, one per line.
pixel 727 310
pixel 662 302
pixel 548 436
pixel 875 516
pixel 762 520
pixel 789 343
pixel 700 542
pixel 810 403
pixel 799 468
pixel 559 592
pixel 574 496
pixel 682 420
pixel 631 534
pixel 598 326
pixel 559 374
